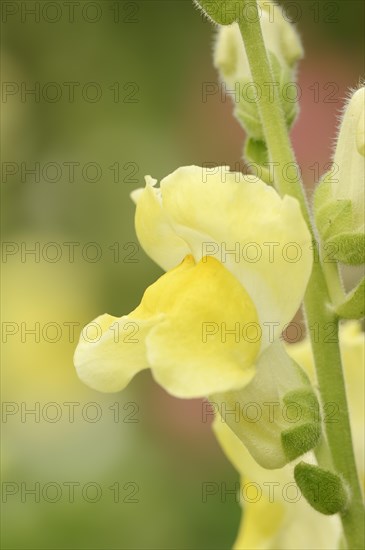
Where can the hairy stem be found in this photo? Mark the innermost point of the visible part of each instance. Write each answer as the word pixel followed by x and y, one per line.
pixel 318 306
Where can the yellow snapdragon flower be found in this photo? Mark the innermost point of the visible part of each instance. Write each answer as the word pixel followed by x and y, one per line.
pixel 237 255
pixel 275 515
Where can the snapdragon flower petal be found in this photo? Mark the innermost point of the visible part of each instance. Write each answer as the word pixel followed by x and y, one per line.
pixel 189 351
pixel 111 351
pixel 261 238
pixel 178 333
pixel 153 229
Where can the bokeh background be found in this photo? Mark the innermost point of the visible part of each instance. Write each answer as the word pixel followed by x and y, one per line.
pixel 118 95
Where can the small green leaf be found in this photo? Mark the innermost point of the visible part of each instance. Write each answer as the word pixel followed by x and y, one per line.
pixel 323 490
pixel 354 305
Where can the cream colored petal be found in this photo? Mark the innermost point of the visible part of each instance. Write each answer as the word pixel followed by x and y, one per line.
pixel 179 330
pixel 111 351
pixel 261 238
pixel 273 525
pixel 190 353
pixel 154 232
pixel 260 523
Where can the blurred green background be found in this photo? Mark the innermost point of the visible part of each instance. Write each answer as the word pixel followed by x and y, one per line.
pixel 118 94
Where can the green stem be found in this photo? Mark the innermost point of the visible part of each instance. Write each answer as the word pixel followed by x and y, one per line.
pixel 323 454
pixel 323 324
pixel 276 136
pixel 318 307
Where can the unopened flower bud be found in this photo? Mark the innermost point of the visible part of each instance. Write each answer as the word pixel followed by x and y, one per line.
pixel 284 49
pixel 340 198
pixel 348 182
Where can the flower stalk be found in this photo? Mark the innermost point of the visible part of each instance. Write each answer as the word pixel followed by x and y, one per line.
pixel 317 303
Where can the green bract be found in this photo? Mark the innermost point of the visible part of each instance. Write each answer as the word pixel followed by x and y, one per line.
pixel 324 490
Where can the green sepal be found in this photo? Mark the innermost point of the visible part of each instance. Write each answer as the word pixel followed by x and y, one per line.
pixel 323 490
pixel 223 12
pixel 354 305
pixel 255 152
pixel 349 248
pixel 305 436
pixel 306 400
pixel 300 440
